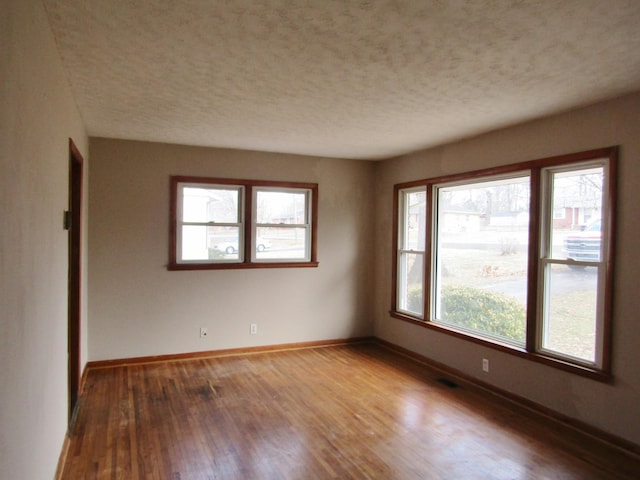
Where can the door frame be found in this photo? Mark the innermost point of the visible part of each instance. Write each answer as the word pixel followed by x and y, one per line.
pixel 74 227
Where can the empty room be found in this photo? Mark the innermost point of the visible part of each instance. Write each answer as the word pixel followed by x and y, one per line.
pixel 316 239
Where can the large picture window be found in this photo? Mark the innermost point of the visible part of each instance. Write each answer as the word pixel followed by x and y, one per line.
pixel 516 257
pixel 481 239
pixel 223 223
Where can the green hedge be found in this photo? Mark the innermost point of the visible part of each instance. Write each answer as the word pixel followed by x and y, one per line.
pixel 480 310
pixel 414 298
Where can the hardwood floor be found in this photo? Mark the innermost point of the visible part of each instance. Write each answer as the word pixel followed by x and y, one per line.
pixel 352 411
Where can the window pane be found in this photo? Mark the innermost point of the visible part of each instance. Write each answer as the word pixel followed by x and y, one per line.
pixel 210 243
pixel 481 257
pixel 570 311
pixel 414 219
pixel 282 207
pixel 209 205
pixel 280 243
pixel 577 209
pixel 410 289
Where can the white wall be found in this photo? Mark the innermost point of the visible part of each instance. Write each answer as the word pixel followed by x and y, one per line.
pixel 138 308
pixel 613 408
pixel 37 117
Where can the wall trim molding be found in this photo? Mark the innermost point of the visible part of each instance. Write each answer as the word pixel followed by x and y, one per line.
pixel 580 427
pixel 122 362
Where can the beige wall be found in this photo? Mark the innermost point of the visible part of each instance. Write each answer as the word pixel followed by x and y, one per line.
pixel 37 117
pixel 613 408
pixel 138 308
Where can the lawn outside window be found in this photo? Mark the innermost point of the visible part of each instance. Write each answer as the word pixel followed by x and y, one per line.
pixel 518 258
pixel 228 223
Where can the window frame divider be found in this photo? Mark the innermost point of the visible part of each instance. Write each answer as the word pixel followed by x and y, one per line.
pixel 533 260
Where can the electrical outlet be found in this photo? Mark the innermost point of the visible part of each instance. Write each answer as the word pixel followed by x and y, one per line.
pixel 203 332
pixel 254 328
pixel 485 365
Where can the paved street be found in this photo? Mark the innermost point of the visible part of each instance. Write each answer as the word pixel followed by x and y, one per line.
pixel 564 280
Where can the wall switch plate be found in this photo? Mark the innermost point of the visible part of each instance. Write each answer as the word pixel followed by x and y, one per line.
pixel 485 365
pixel 203 332
pixel 254 328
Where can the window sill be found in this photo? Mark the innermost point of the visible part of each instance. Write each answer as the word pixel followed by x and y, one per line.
pixel 239 266
pixel 592 373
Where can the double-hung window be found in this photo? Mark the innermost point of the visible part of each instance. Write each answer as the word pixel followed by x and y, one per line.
pixel 411 251
pixel 572 293
pixel 210 219
pixel 283 217
pixel 518 258
pixel 225 223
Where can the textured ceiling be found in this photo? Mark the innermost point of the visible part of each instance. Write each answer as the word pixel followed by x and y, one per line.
pixel 354 79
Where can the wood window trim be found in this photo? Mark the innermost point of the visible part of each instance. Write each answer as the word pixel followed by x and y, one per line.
pixel 529 352
pixel 248 185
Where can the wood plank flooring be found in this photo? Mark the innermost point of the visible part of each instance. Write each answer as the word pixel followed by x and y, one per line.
pixel 343 412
